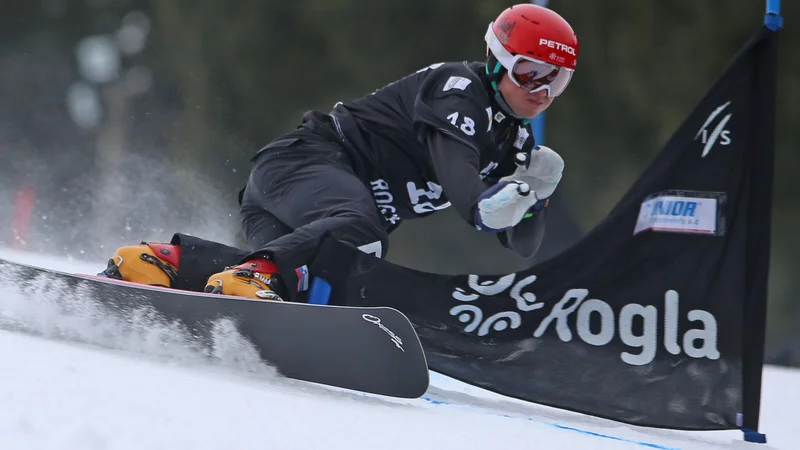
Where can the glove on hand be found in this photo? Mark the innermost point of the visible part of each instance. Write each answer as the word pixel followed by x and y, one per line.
pixel 503 205
pixel 541 170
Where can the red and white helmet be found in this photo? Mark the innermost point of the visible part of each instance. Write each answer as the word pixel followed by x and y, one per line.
pixel 535 45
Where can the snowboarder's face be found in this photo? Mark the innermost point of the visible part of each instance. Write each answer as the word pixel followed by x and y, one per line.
pixel 525 104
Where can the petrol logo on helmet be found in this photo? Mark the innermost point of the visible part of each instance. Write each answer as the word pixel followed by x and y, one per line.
pixel 558 46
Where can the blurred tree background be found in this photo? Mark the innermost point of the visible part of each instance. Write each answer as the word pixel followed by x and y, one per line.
pixel 133 119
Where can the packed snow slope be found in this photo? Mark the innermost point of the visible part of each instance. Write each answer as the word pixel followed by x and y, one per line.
pixel 74 382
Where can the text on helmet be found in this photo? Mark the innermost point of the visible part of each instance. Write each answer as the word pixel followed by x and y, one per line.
pixel 558 46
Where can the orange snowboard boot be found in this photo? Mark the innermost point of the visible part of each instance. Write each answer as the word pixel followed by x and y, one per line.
pixel 257 279
pixel 151 263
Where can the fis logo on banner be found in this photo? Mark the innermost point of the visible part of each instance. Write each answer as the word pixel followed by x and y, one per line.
pixel 718 134
pixel 680 212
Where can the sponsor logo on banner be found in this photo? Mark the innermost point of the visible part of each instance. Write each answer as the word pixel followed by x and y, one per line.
pixel 591 320
pixel 680 212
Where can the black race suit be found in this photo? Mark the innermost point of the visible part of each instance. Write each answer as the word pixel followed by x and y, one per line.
pixel 430 140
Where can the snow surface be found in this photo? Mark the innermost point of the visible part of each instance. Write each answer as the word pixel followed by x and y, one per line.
pixel 69 381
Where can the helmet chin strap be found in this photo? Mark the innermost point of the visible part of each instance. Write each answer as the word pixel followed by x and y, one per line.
pixel 494 77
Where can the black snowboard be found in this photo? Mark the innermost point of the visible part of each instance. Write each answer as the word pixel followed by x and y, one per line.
pixel 369 349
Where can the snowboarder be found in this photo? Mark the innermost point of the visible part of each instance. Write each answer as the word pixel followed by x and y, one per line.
pixel 454 133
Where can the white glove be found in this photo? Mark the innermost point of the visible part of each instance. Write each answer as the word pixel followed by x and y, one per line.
pixel 542 173
pixel 503 205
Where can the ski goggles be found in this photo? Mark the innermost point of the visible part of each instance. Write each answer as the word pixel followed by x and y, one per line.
pixel 538 76
pixel 530 73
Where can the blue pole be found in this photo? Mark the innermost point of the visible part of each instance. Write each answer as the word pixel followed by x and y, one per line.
pixel 773 21
pixel 537 126
pixel 772 18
